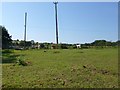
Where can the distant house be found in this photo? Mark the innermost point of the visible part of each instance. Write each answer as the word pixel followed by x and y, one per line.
pixel 37 46
pixel 53 46
pixel 15 44
pixel 78 45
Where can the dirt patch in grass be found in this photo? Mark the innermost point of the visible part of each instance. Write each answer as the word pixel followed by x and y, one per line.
pixel 101 71
pixel 56 52
pixel 80 52
pixel 92 69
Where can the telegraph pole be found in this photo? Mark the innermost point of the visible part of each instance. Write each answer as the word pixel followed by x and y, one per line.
pixel 56 21
pixel 25 30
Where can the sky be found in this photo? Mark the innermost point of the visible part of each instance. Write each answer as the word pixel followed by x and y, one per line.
pixel 78 22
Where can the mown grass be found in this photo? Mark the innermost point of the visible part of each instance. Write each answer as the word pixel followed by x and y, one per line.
pixel 75 68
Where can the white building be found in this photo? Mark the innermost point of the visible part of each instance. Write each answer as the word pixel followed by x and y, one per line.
pixel 78 45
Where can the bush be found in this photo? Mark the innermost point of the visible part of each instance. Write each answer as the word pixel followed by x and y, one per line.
pixel 22 62
pixel 64 46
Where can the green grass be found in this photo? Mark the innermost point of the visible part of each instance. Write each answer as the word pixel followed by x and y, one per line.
pixel 63 69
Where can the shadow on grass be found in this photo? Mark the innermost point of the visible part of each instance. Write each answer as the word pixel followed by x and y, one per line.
pixel 8 56
pixel 7 51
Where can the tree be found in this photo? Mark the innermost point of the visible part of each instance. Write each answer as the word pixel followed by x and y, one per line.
pixel 28 43
pixel 99 43
pixel 42 45
pixel 118 43
pixel 6 38
pixel 22 43
pixel 109 43
pixel 64 46
pixel 0 37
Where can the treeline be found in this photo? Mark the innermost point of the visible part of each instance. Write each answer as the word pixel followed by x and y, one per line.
pixel 101 44
pixel 36 45
pixel 19 44
pixel 8 43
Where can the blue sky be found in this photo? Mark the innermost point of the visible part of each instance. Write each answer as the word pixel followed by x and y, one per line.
pixel 80 22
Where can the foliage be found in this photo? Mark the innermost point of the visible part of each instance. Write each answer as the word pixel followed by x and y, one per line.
pixel 64 46
pixel 22 62
pixel 42 46
pixel 22 43
pixel 99 43
pixel 36 45
pixel 6 38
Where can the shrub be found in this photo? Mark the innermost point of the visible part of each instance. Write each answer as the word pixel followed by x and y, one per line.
pixel 22 62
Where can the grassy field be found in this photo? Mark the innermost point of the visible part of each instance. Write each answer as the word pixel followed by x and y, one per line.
pixel 75 68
